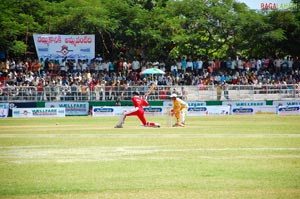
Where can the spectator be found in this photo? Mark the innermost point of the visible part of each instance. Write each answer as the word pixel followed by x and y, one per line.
pixel 136 65
pixel 225 90
pixel 25 71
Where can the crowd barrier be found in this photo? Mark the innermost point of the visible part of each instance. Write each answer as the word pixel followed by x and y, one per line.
pixel 117 94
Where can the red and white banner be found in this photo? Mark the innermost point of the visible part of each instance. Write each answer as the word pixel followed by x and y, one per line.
pixel 65 46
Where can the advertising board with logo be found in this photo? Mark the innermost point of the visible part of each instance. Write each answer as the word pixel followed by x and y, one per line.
pixel 72 108
pixel 38 112
pixel 288 110
pixel 4 107
pixel 103 111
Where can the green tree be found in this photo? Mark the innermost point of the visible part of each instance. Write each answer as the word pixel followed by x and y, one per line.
pixel 287 24
pixel 163 28
pixel 206 27
pixel 18 20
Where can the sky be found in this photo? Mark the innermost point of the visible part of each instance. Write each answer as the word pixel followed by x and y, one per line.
pixel 256 4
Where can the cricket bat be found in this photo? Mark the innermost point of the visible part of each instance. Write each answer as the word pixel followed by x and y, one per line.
pixel 152 87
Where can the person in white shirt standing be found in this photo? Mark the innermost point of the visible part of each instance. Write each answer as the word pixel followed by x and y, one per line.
pixel 277 63
pixel 136 65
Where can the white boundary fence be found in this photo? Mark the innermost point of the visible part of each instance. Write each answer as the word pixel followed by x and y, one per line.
pixel 120 93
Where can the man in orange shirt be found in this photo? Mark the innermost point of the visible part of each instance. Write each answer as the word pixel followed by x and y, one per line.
pixel 36 67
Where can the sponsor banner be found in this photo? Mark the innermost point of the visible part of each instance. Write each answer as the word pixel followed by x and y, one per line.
pixel 160 111
pixel 196 111
pixel 4 107
pixel 64 46
pixel 248 107
pixel 103 111
pixel 153 111
pixel 72 108
pixel 119 110
pixel 242 111
pixel 264 109
pixel 208 110
pixel 109 110
pixel 288 110
pixel 191 103
pixel 286 103
pixel 38 112
pixel 168 104
pixel 196 104
pixel 218 110
pixel 20 105
pixel 244 103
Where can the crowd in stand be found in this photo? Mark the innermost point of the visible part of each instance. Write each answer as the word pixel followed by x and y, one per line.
pixel 93 75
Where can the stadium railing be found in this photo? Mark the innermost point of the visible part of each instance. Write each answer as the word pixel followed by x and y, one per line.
pixel 118 93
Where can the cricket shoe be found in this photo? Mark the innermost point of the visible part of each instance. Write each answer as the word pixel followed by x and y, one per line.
pixel 178 125
pixel 119 126
pixel 153 126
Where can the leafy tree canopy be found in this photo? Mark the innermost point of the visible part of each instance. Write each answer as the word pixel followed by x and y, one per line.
pixel 162 28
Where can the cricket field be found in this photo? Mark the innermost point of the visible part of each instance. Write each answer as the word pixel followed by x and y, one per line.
pixel 212 157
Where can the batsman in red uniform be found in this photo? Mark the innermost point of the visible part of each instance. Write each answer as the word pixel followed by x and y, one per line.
pixel 138 111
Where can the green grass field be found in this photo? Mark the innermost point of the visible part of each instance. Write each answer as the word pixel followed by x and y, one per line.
pixel 212 157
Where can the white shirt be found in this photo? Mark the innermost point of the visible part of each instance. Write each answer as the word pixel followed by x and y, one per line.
pixel 136 65
pixel 189 64
pixel 174 67
pixel 105 66
pixel 258 64
pixel 84 66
